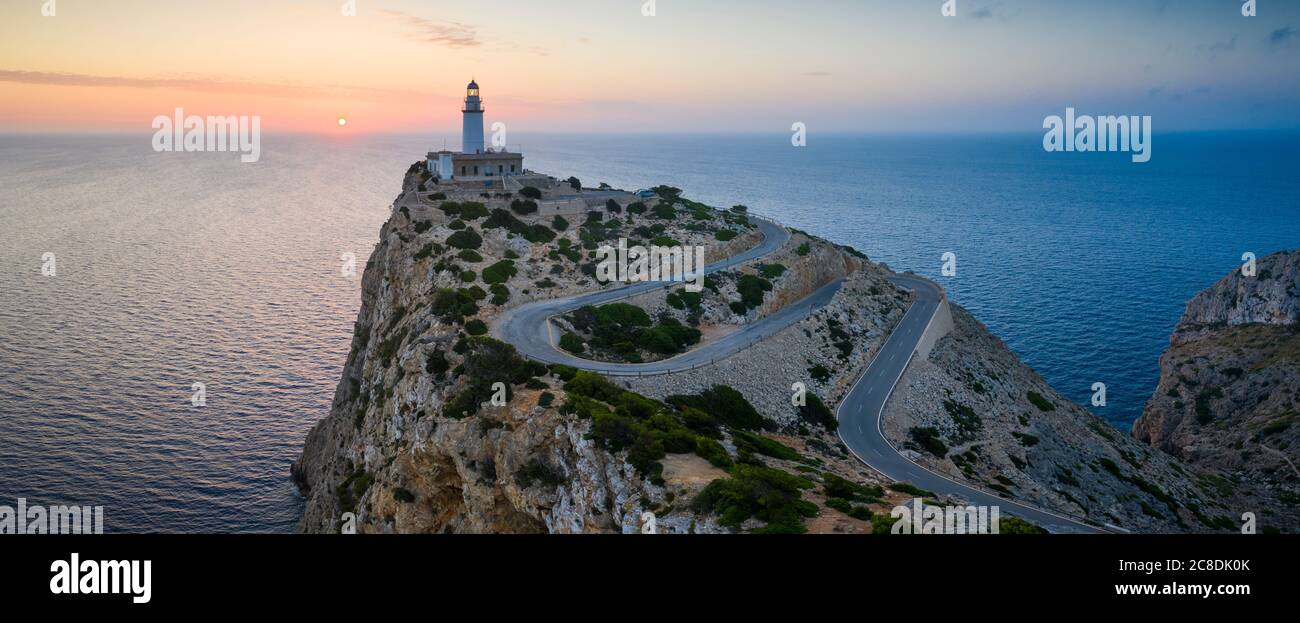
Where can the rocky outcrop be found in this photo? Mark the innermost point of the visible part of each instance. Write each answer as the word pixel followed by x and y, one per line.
pixel 974 412
pixel 1230 384
pixel 412 445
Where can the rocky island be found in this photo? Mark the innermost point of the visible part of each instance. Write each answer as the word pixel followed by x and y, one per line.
pixel 439 426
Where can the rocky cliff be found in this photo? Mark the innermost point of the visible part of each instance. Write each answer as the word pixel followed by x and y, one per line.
pixel 974 411
pixel 437 428
pixel 1230 384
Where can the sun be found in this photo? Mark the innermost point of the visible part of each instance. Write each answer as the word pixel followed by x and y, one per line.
pixel 343 121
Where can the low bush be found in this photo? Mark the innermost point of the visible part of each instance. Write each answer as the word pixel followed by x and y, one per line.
pixel 727 405
pixel 753 491
pixel 1039 401
pixel 500 272
pixel 465 239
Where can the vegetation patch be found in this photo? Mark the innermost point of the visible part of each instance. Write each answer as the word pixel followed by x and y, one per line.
pixel 758 492
pixel 1039 401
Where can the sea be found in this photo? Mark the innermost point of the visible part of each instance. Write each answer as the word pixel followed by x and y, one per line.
pixel 173 324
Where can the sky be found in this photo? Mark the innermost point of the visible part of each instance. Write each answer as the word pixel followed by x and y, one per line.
pixel 605 66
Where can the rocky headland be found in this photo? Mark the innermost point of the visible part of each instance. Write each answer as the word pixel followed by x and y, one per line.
pixel 421 438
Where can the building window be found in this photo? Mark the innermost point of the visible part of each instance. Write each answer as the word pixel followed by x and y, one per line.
pixel 476 169
pixel 512 168
pixel 501 168
pixel 462 169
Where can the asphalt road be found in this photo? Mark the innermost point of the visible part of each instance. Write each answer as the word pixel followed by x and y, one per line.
pixel 528 328
pixel 861 410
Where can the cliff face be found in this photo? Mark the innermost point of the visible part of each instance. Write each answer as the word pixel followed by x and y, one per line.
pixel 1230 384
pixel 414 444
pixel 385 454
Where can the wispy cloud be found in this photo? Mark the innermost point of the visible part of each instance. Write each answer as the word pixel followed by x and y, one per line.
pixel 997 11
pixel 196 83
pixel 1281 35
pixel 442 33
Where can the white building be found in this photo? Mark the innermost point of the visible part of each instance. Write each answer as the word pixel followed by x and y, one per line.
pixel 475 162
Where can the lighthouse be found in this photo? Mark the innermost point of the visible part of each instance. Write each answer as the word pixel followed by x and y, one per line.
pixel 476 165
pixel 472 134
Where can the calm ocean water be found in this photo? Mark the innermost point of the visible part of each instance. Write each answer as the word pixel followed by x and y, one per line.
pixel 181 268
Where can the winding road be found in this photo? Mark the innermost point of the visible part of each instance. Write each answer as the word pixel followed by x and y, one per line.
pixel 528 327
pixel 861 411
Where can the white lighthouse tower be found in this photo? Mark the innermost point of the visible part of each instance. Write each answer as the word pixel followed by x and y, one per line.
pixel 472 133
pixel 476 166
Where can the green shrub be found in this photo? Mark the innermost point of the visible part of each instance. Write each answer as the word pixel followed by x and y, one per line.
pixel 753 491
pixel 726 404
pixel 1039 401
pixel 1026 440
pixel 839 504
pixel 819 373
pixel 469 255
pixel 476 327
pixel 1204 415
pixel 402 495
pixel 724 235
pixel 563 372
pixel 835 486
pixel 927 438
pixel 803 249
pixel 500 293
pixel 751 289
pixel 814 411
pixel 523 206
pixel 1016 525
pixel 593 385
pixel 487 361
pixel 713 452
pixel 471 210
pixel 465 239
pixel 426 251
pixel 682 299
pixel 500 272
pixel 546 399
pixel 468 276
pixel 636 207
pixel 530 192
pixel 747 443
pixel 436 363
pixel 559 224
pixel 535 234
pixel 964 416
pixel 771 271
pixel 572 343
pixel 910 489
pixel 456 224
